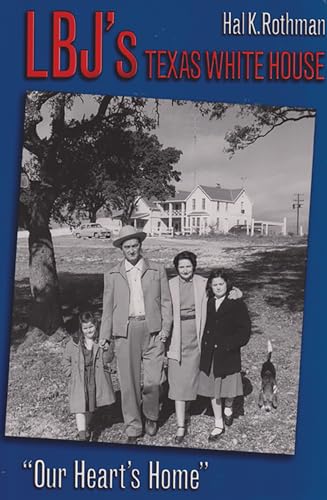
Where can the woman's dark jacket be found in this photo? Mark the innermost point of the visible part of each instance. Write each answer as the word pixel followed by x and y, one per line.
pixel 225 332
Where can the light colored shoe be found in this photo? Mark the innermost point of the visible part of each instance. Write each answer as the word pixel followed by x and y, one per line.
pixel 216 433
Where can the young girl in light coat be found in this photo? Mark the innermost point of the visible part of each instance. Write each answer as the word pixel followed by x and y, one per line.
pixel 86 365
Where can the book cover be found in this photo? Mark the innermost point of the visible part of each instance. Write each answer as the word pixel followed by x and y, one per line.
pixel 194 132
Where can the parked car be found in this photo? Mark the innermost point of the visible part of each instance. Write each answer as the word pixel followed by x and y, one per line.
pixel 91 230
pixel 238 229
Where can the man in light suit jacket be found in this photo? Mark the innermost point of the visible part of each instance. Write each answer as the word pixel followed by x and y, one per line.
pixel 137 312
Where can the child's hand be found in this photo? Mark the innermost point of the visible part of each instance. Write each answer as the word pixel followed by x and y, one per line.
pixel 104 344
pixel 163 336
pixel 108 352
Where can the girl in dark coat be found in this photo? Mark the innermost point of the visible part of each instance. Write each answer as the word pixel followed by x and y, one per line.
pixel 227 329
pixel 87 366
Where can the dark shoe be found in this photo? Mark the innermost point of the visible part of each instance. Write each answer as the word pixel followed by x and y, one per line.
pixel 82 436
pixel 228 419
pixel 214 437
pixel 180 437
pixel 132 439
pixel 151 427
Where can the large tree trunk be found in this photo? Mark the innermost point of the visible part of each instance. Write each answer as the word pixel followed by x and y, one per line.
pixel 46 311
pixel 125 219
pixel 127 212
pixel 93 215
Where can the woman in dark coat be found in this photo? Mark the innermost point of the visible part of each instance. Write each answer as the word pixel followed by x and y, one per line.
pixel 227 329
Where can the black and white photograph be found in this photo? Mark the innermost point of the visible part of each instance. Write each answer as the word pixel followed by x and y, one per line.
pixel 160 272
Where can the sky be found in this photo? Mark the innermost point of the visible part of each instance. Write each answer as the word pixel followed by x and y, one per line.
pixel 272 171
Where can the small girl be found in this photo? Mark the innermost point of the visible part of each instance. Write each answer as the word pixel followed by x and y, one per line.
pixel 87 366
pixel 226 330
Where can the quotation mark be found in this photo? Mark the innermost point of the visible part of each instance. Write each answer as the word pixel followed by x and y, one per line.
pixel 27 464
pixel 204 465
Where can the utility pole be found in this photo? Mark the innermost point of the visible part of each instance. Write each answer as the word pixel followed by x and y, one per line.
pixel 195 176
pixel 297 204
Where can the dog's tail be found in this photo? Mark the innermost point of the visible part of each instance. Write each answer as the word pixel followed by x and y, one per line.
pixel 269 348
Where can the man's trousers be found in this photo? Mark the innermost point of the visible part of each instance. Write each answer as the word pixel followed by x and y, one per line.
pixel 139 346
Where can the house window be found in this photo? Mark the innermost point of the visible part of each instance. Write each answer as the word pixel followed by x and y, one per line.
pixel 193 204
pixel 226 207
pixel 242 207
pixel 203 203
pixel 218 206
pixel 193 221
pixel 198 221
pixel 159 224
pixel 217 223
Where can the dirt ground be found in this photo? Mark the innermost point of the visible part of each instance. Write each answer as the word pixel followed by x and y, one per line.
pixel 271 274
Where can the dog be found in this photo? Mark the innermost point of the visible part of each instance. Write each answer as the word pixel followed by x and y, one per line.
pixel 268 392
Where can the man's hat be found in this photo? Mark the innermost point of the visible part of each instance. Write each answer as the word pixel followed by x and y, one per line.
pixel 128 233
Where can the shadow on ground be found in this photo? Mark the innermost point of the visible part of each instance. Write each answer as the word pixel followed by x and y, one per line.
pixel 279 274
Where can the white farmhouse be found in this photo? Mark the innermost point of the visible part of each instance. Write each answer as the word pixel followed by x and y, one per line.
pixel 203 209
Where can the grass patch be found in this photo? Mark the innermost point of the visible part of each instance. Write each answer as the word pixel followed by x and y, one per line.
pixel 272 280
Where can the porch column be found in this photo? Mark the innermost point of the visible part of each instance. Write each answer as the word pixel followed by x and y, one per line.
pixel 170 215
pixel 150 223
pixel 183 215
pixel 284 227
pixel 252 227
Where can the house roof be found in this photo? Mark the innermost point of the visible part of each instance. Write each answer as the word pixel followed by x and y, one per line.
pixel 222 194
pixel 214 193
pixel 179 196
pixel 116 214
pixel 150 201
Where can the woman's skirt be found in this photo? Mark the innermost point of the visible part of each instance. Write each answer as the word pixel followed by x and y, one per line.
pixel 229 386
pixel 183 377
